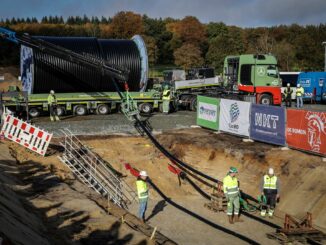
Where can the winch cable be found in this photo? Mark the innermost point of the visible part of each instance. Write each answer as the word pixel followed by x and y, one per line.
pixel 183 175
pixel 200 218
pixel 181 164
pixel 196 187
pixel 172 157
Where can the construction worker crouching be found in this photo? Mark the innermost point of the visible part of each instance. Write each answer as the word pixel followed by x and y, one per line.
pixel 142 190
pixel 166 97
pixel 270 189
pixel 52 102
pixel 232 194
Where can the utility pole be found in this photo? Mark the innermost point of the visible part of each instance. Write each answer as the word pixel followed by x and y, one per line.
pixel 324 44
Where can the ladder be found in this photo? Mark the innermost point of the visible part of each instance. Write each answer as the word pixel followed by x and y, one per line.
pixel 93 171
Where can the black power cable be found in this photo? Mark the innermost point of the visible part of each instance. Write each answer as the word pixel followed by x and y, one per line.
pixel 200 218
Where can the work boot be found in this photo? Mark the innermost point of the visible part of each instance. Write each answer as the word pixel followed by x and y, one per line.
pixel 237 218
pixel 230 219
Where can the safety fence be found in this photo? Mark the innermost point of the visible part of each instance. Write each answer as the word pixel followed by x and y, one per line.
pixel 300 129
pixel 25 134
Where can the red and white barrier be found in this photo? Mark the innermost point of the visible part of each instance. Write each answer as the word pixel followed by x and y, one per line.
pixel 27 135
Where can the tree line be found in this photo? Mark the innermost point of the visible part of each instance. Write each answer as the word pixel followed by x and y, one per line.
pixel 183 42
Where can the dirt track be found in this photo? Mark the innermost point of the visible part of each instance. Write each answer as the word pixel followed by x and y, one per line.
pixel 303 185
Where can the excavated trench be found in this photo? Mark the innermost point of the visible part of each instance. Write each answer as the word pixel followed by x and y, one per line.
pixel 301 175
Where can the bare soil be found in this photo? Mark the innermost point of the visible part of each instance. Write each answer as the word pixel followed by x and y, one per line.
pixel 302 182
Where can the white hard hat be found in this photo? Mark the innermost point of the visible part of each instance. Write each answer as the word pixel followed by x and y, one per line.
pixel 51 91
pixel 143 173
pixel 288 85
pixel 271 171
pixel 298 85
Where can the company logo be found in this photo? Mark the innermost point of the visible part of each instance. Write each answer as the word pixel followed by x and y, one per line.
pixel 261 71
pixel 234 112
pixel 266 120
pixel 316 129
pixel 305 82
pixel 207 111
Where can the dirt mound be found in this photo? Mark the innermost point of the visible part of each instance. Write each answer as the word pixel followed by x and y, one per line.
pixel 301 175
pixel 303 187
pixel 10 78
pixel 38 208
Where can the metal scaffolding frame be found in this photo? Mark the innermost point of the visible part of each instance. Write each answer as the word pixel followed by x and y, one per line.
pixel 94 172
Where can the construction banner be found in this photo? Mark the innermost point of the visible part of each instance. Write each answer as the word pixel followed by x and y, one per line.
pixel 267 124
pixel 306 130
pixel 208 112
pixel 234 117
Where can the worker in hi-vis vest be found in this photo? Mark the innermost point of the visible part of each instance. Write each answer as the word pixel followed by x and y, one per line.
pixel 142 190
pixel 270 188
pixel 52 102
pixel 299 94
pixel 232 194
pixel 166 97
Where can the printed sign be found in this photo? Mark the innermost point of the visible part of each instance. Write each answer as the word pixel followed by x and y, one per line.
pixel 306 130
pixel 267 124
pixel 305 82
pixel 234 117
pixel 208 112
pixel 26 68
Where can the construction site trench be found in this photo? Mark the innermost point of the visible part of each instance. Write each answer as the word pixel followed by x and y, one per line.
pixel 42 198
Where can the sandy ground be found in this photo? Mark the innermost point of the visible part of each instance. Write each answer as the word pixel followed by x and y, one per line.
pixel 303 185
pixel 36 207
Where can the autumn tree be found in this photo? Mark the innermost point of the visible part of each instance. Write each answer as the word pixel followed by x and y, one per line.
pixel 228 43
pixel 187 56
pixel 285 55
pixel 152 50
pixel 126 25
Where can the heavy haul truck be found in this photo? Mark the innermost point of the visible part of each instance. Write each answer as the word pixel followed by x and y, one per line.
pixel 36 60
pixel 82 103
pixel 245 77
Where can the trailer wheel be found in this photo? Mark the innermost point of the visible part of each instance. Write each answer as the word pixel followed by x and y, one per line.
pixel 146 108
pixel 103 109
pixel 34 112
pixel 80 110
pixel 266 99
pixel 60 111
pixel 193 104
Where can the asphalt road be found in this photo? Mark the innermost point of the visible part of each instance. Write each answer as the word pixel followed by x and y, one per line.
pixel 118 124
pixel 115 123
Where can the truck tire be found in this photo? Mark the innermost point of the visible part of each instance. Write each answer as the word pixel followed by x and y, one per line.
pixel 60 111
pixel 266 99
pixel 80 110
pixel 193 104
pixel 34 112
pixel 145 108
pixel 103 109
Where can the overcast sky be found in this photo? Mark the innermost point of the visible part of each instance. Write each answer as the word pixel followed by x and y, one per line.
pixel 245 13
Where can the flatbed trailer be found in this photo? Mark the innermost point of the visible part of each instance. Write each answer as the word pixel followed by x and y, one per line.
pixel 82 103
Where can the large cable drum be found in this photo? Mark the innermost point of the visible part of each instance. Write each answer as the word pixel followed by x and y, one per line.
pixel 41 72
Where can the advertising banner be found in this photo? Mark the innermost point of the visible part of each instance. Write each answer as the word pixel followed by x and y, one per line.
pixel 26 68
pixel 208 112
pixel 234 116
pixel 267 124
pixel 306 130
